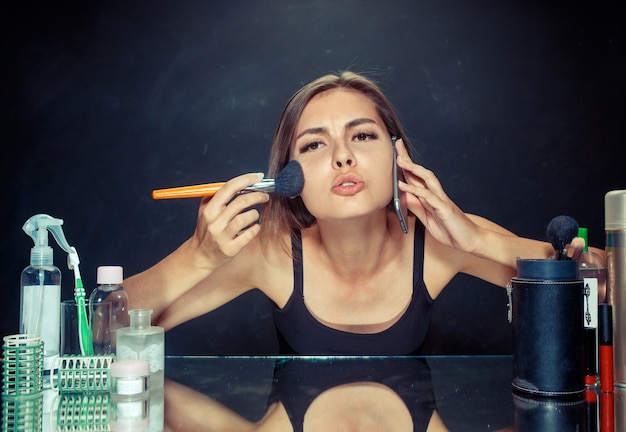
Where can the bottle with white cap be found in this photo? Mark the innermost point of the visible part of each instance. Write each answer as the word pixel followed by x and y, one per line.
pixel 615 227
pixel 108 305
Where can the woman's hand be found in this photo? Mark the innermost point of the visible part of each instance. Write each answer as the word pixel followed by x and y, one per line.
pixel 427 200
pixel 225 225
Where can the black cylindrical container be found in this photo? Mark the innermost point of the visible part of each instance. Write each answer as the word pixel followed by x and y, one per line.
pixel 548 339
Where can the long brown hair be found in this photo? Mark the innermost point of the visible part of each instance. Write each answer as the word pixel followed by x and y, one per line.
pixel 281 214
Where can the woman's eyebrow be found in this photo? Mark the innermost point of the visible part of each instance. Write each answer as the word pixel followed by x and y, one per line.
pixel 322 130
pixel 312 131
pixel 359 121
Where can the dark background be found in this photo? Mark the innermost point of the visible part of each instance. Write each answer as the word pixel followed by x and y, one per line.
pixel 516 105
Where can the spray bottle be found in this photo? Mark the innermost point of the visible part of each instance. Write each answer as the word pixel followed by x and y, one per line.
pixel 40 310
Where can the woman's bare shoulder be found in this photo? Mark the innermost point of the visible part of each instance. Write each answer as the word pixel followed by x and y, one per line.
pixel 267 267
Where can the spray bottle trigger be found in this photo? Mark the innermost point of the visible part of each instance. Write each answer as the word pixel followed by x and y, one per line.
pixel 36 227
pixel 57 233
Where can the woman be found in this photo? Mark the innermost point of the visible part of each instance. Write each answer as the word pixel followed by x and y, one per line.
pixel 344 277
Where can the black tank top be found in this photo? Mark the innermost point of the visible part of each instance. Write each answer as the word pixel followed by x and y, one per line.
pixel 298 382
pixel 300 333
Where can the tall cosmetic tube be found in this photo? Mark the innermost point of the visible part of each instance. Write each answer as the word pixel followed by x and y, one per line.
pixel 615 227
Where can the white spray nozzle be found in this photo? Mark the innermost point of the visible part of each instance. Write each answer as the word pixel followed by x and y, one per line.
pixel 37 228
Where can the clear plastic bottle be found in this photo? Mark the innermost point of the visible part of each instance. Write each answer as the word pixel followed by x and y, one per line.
pixel 104 326
pixel 40 296
pixel 41 288
pixel 143 341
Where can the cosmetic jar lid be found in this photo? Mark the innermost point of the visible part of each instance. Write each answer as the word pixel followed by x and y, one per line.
pixel 547 269
pixel 615 210
pixel 130 368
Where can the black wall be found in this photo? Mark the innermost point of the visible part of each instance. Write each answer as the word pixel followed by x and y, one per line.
pixel 516 105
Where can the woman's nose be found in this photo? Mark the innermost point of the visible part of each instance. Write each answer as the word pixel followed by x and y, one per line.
pixel 344 157
pixel 340 163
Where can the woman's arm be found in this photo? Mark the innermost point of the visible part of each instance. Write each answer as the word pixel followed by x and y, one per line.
pixel 463 243
pixel 224 227
pixel 495 264
pixel 451 227
pixel 495 257
pixel 189 410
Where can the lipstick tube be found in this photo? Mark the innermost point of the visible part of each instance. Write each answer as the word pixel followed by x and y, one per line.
pixel 605 324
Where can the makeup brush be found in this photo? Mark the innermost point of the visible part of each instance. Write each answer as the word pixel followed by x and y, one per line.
pixel 288 183
pixel 561 230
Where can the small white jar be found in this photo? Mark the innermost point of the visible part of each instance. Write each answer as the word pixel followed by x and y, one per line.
pixel 129 377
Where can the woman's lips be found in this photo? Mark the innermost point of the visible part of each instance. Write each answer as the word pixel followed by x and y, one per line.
pixel 347 185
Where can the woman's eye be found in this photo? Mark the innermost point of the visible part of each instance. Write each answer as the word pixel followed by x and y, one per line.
pixel 311 146
pixel 363 136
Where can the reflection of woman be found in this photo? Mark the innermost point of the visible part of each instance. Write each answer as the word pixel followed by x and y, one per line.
pixel 311 395
pixel 375 394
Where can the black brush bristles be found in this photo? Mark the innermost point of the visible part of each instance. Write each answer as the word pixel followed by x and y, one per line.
pixel 290 181
pixel 561 230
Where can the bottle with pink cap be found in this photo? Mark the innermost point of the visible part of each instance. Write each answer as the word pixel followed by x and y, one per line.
pixel 108 304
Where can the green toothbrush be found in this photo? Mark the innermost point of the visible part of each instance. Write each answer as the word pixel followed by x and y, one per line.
pixel 84 332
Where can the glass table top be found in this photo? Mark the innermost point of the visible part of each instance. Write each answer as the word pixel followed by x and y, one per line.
pixel 462 393
pixel 433 393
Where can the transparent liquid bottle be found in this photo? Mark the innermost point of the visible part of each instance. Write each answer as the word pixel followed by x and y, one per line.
pixel 105 321
pixel 40 310
pixel 40 286
pixel 143 341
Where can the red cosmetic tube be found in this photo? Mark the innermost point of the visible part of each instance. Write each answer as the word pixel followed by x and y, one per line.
pixel 605 326
pixel 607 412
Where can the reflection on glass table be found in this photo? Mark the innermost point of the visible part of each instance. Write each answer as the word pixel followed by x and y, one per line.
pixel 361 394
pixel 334 394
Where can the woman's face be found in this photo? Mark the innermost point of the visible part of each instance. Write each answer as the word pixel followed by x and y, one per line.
pixel 346 155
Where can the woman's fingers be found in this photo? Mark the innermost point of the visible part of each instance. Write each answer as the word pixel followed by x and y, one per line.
pixel 227 222
pixel 417 175
pixel 427 200
pixel 216 204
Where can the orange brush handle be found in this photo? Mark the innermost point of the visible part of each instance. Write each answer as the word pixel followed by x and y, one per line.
pixel 196 191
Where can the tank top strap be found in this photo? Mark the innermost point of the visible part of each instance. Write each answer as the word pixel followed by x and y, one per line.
pixel 296 252
pixel 418 254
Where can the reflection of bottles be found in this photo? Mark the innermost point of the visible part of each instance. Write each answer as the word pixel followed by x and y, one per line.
pixel 130 413
pixel 129 395
pixel 103 325
pixel 81 411
pixel 143 341
pixel 23 413
pixel 157 410
pixel 592 270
